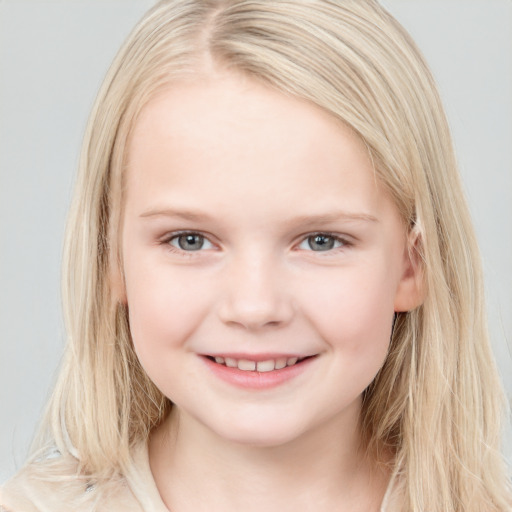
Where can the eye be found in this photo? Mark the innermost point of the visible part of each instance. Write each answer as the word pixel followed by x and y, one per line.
pixel 190 242
pixel 322 242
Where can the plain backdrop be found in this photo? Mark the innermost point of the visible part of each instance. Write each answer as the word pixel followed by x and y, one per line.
pixel 53 56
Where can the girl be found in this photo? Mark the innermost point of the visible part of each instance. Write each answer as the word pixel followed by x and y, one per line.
pixel 272 287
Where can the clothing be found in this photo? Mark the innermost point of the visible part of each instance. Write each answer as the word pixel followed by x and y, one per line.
pixel 135 492
pixel 28 492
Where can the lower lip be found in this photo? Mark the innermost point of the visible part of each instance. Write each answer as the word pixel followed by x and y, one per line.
pixel 254 379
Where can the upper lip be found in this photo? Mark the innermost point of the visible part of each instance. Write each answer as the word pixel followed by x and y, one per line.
pixel 258 357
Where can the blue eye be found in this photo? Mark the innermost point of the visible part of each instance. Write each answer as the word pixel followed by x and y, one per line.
pixel 190 242
pixel 321 242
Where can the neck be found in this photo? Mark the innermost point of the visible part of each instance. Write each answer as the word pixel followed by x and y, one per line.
pixel 196 470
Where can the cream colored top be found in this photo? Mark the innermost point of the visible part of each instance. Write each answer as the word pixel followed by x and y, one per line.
pixel 136 492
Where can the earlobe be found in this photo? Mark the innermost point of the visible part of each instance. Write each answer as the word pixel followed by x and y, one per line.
pixel 411 289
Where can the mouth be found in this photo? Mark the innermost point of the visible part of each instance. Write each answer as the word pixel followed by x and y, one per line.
pixel 258 372
pixel 260 366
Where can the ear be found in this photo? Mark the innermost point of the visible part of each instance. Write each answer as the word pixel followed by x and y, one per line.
pixel 411 289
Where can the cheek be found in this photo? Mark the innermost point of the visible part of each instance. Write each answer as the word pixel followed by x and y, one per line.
pixel 353 312
pixel 164 311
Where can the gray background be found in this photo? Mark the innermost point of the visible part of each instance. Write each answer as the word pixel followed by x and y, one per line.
pixel 53 55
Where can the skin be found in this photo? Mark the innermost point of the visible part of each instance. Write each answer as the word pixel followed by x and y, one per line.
pixel 258 174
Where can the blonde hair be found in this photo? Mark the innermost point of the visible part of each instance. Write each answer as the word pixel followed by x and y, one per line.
pixel 437 403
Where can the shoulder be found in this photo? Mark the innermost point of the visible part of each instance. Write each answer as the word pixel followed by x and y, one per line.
pixel 54 485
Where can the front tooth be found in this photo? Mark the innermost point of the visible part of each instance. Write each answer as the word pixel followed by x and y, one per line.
pixel 265 366
pixel 232 363
pixel 219 360
pixel 280 363
pixel 244 364
pixel 291 361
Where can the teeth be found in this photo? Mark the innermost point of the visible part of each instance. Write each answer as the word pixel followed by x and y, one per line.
pixel 280 363
pixel 260 366
pixel 244 364
pixel 266 366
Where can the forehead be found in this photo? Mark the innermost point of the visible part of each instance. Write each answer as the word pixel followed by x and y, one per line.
pixel 229 134
pixel 238 106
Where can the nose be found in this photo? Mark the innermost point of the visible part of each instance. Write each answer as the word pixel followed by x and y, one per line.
pixel 255 295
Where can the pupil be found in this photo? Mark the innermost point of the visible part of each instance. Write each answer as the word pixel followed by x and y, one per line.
pixel 321 243
pixel 190 242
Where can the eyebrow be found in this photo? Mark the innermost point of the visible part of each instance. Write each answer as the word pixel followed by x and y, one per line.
pixel 321 218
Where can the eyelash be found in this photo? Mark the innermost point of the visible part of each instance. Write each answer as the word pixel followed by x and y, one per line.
pixel 343 242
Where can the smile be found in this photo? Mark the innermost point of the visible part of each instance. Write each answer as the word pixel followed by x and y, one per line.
pixel 258 371
pixel 248 365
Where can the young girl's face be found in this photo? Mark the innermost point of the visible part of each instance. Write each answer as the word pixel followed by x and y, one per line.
pixel 263 261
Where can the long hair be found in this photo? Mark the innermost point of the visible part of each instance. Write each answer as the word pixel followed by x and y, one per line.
pixel 436 404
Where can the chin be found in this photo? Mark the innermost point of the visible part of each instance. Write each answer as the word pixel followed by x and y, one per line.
pixel 259 434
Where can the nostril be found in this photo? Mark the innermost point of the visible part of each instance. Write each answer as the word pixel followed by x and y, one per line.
pixel 255 316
